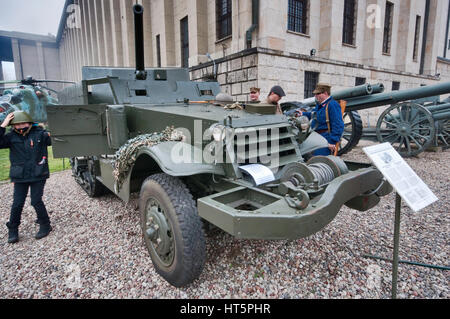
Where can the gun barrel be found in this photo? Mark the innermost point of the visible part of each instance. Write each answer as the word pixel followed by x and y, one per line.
pixel 377 88
pixel 357 91
pixel 138 11
pixel 439 107
pixel 374 100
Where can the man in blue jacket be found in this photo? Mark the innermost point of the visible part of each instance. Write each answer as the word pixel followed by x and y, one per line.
pixel 329 121
pixel 29 169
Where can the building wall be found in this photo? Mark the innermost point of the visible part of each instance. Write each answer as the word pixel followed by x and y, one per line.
pixel 264 68
pixel 325 21
pixel 280 56
pixel 34 55
pixel 444 48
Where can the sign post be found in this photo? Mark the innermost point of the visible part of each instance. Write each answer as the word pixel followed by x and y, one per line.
pixel 407 185
pixel 398 203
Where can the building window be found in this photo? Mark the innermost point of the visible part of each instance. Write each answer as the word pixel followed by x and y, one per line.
pixel 416 38
pixel 311 79
pixel 184 35
pixel 349 28
pixel 360 81
pixel 158 50
pixel 223 18
pixel 298 16
pixel 387 35
pixel 395 86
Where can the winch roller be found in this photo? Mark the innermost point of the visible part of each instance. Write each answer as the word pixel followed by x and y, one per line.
pixel 322 172
pixel 319 169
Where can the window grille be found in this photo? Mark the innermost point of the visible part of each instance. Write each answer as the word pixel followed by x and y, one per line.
pixel 387 35
pixel 298 16
pixel 360 81
pixel 416 38
pixel 158 50
pixel 349 28
pixel 223 18
pixel 395 86
pixel 184 32
pixel 311 79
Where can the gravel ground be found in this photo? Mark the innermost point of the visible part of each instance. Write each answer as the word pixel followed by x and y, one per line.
pixel 96 250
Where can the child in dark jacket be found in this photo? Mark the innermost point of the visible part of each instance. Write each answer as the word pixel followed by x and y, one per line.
pixel 29 169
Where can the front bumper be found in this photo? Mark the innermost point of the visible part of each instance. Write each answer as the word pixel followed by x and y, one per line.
pixel 272 218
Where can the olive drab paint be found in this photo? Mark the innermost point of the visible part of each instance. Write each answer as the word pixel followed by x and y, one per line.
pixel 114 111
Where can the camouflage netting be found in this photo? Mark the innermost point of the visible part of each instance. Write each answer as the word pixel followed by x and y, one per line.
pixel 233 106
pixel 125 157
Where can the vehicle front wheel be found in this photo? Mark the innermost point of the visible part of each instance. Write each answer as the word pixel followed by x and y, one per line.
pixel 172 229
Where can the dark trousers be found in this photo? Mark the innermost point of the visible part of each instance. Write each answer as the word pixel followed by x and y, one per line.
pixel 20 194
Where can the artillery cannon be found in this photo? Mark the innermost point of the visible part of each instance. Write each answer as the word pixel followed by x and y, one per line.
pixel 410 135
pixel 412 128
pixel 153 131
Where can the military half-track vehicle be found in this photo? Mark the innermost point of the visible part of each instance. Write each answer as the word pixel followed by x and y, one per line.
pixel 238 167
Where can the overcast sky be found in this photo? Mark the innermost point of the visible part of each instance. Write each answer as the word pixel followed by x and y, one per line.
pixel 31 16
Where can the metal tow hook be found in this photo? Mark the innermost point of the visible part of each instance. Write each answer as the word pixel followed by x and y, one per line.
pixel 300 201
pixel 294 196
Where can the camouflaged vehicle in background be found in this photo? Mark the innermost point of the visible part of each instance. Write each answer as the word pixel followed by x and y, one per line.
pixel 26 95
pixel 239 167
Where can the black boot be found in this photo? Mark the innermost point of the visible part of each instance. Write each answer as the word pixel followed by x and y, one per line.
pixel 13 234
pixel 44 230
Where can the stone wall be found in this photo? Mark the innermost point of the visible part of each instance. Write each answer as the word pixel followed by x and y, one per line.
pixel 443 68
pixel 264 68
pixel 236 73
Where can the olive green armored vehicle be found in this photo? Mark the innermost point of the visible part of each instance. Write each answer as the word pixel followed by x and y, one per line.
pixel 195 162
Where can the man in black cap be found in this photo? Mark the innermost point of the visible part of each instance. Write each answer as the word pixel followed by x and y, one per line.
pixel 275 95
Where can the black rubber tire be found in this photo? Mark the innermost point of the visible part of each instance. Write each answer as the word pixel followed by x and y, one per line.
pixel 352 132
pixel 181 215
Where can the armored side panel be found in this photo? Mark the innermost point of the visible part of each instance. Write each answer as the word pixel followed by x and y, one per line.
pixel 78 130
pixel 116 122
pixel 161 86
pixel 72 95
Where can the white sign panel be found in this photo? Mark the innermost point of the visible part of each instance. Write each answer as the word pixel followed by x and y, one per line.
pixel 401 176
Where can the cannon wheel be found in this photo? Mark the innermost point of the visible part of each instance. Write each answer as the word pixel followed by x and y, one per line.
pixel 443 134
pixel 409 127
pixel 353 129
pixel 172 229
